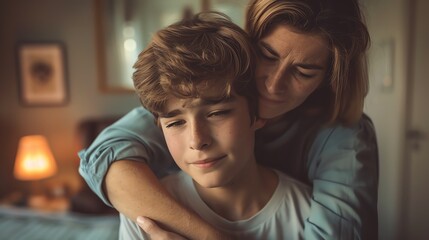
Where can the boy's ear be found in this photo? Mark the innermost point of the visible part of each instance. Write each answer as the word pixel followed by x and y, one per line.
pixel 259 123
pixel 158 122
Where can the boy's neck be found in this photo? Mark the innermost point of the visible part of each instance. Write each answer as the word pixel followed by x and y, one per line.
pixel 242 199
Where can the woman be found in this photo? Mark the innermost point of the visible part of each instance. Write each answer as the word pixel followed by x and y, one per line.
pixel 312 81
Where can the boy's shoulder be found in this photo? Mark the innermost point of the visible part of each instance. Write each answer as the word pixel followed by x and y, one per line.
pixel 179 177
pixel 293 187
pixel 178 183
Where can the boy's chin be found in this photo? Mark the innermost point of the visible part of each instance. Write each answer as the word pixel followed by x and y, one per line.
pixel 209 183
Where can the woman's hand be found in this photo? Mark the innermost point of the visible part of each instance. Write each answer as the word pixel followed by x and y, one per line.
pixel 154 231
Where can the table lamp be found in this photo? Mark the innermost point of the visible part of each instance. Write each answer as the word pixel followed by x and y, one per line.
pixel 34 162
pixel 34 159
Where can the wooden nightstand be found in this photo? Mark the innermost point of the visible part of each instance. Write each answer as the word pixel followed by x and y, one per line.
pixel 49 204
pixel 37 202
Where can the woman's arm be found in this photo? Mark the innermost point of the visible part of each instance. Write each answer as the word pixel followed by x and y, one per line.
pixel 343 167
pixel 134 190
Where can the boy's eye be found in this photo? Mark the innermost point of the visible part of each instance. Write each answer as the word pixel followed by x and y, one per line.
pixel 174 124
pixel 219 113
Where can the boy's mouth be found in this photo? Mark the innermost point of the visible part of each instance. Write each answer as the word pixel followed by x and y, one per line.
pixel 208 162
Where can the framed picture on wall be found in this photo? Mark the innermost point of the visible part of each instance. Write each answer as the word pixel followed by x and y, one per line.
pixel 42 74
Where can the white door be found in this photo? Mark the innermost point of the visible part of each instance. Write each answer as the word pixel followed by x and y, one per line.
pixel 417 164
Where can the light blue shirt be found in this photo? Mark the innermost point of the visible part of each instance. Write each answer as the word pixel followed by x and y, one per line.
pixel 340 163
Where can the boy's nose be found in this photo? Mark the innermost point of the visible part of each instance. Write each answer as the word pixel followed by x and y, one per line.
pixel 199 137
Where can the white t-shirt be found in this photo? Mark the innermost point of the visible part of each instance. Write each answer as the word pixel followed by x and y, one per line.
pixel 282 217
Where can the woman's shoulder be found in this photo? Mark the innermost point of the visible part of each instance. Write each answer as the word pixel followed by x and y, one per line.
pixel 319 135
pixel 337 142
pixel 362 130
pixel 138 121
pixel 136 115
pixel 135 130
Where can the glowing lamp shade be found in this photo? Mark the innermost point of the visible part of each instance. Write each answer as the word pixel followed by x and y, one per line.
pixel 34 159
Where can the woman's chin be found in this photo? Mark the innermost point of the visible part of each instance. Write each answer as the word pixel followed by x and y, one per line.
pixel 270 114
pixel 269 110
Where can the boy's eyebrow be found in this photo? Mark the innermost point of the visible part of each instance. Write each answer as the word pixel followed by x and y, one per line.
pixel 302 65
pixel 201 103
pixel 170 114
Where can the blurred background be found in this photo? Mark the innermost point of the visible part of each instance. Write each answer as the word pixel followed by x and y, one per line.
pixel 99 40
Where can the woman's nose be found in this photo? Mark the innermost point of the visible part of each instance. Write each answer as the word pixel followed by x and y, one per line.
pixel 276 82
pixel 200 137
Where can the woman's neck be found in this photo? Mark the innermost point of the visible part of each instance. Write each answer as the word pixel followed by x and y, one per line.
pixel 244 197
pixel 274 127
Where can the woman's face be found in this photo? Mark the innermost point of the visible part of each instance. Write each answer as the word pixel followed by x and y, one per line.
pixel 291 66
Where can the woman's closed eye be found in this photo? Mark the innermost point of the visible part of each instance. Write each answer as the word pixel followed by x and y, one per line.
pixel 267 55
pixel 305 73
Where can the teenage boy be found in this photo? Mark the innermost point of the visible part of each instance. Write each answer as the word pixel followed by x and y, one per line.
pixel 196 77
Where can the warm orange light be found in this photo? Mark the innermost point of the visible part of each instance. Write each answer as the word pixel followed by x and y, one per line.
pixel 34 159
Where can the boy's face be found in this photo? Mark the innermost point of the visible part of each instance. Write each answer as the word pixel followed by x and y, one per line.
pixel 212 141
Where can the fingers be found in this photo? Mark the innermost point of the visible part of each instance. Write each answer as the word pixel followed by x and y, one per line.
pixel 154 231
pixel 147 225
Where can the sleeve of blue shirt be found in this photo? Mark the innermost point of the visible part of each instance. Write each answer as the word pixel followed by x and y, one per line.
pixel 134 137
pixel 343 166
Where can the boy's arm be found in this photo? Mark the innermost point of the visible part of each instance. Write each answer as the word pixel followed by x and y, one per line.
pixel 134 190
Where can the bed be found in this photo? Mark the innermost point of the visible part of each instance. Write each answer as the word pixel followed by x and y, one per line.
pixel 24 224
